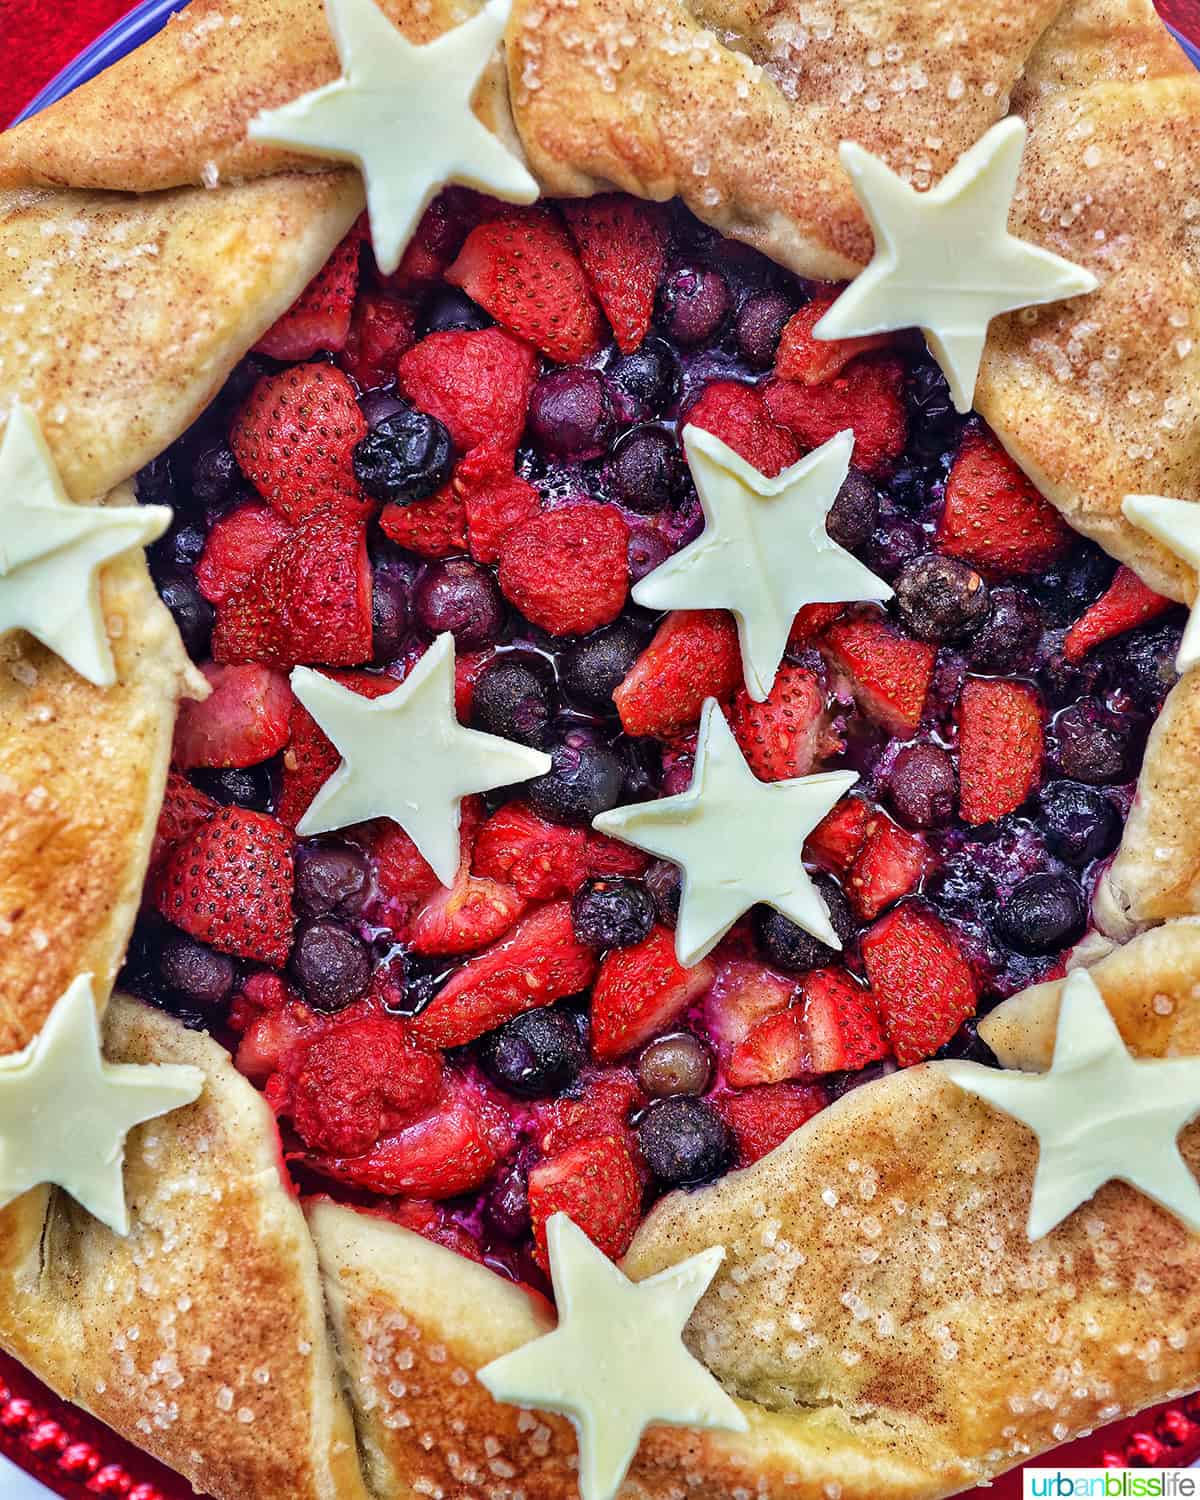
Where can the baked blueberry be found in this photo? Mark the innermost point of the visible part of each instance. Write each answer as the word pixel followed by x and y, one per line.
pixel 449 308
pixel 330 965
pixel 665 884
pixel 595 665
pixel 922 786
pixel 1090 744
pixel 198 974
pixel 678 1064
pixel 854 513
pixel 933 422
pixel 695 303
pixel 647 550
pixel 758 328
pixel 155 484
pixel 788 946
pixel 389 614
pixel 191 611
pixel 242 786
pixel 506 1207
pixel 404 457
pixel 895 542
pixel 1044 913
pixel 216 477
pixel 685 1141
pixel 645 470
pixel 462 597
pixel 1141 664
pixel 940 598
pixel 584 779
pixel 1007 639
pixel 570 414
pixel 513 699
pixel 331 877
pixel 647 379
pixel 537 1054
pixel 1080 823
pixel 612 912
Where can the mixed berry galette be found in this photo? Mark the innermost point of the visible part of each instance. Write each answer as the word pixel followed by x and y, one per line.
pixel 603 710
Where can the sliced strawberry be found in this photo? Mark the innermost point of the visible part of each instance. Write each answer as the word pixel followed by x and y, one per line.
pixel 567 570
pixel 782 736
pixel 595 1183
pixel 237 547
pixel 310 759
pixel 521 267
pixel 476 382
pixel 320 317
pixel 1125 604
pixel 539 962
pixel 603 1108
pixel 835 841
pixel 810 621
pixel 742 993
pixel 763 1118
pixel 867 397
pixel 1001 741
pixel 244 719
pixel 889 865
pixel 622 244
pixel 471 914
pixel 494 500
pixel 431 1222
pixel 923 986
pixel 294 440
pixel 605 856
pixel 401 873
pixel 433 527
pixel 775 1050
pixel 841 1023
pixel 381 329
pixel 184 809
pixel 693 655
pixel 738 415
pixel 271 1033
pixel 542 860
pixel 994 516
pixel 814 361
pixel 436 240
pixel 639 991
pixel 889 672
pixel 230 884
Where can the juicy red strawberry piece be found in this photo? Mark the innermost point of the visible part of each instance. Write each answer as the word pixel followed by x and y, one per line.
pixel 775 1050
pixel 380 331
pixel 311 601
pixel 814 361
pixel 889 865
pixel 476 382
pixel 890 673
pixel 471 914
pixel 994 517
pixel 763 1118
pixel 743 992
pixel 521 267
pixel 310 759
pixel 810 621
pixel 419 1216
pixel 237 547
pixel 693 655
pixel 401 873
pixel 358 1080
pixel 639 990
pixel 542 860
pixel 622 243
pixel 923 986
pixel 567 570
pixel 294 440
pixel 782 736
pixel 841 1023
pixel 835 841
pixel 537 963
pixel 605 856
pixel 433 527
pixel 436 240
pixel 595 1183
pixel 1126 603
pixel 1000 745
pixel 603 1108
pixel 244 719
pixel 867 397
pixel 230 885
pixel 271 1034
pixel 494 499
pixel 184 809
pixel 320 317
pixel 738 415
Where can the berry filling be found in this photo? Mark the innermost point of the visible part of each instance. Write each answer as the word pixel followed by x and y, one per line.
pixel 487 443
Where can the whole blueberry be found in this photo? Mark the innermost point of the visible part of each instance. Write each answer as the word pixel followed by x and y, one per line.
pixel 648 550
pixel 1089 744
pixel 331 965
pixel 961 886
pixel 759 326
pixel 645 470
pixel 788 946
pixel 1043 914
pixel 241 786
pixel 695 303
pixel 404 457
pixel 612 912
pixel 933 422
pixel 1066 591
pixel 1079 823
pixel 596 664
pixel 377 405
pixel 854 513
pixel 191 611
pixel 940 598
pixel 331 877
pixel 179 547
pixel 389 614
pixel 155 484
pixel 894 543
pixel 665 883
pixel 1142 663
pixel 922 786
pixel 536 1054
pixel 460 596
pixel 676 1064
pixel 647 380
pixel 685 1141
pixel 570 414
pixel 199 975
pixel 447 309
pixel 506 1207
pixel 513 699
pixel 216 477
pixel 642 757
pixel 584 779
pixel 1008 637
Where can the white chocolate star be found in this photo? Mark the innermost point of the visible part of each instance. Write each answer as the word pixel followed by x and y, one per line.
pixel 737 840
pixel 1176 524
pixel 405 756
pixel 65 1112
pixel 764 551
pixel 51 551
pixel 616 1362
pixel 944 260
pixel 1098 1114
pixel 402 114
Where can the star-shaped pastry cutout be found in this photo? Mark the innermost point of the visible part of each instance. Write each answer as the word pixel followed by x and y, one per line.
pixel 65 1112
pixel 1176 524
pixel 764 551
pixel 403 115
pixel 616 1362
pixel 737 840
pixel 52 551
pixel 944 260
pixel 1098 1114
pixel 406 757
